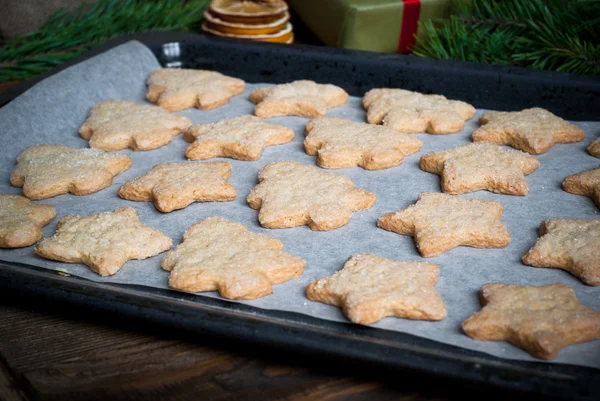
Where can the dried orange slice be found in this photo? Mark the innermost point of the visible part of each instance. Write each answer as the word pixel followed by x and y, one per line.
pixel 254 12
pixel 286 35
pixel 217 24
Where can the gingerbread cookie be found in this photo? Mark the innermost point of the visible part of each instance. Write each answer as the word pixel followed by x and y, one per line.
pixel 219 255
pixel 370 288
pixel 569 244
pixel 532 130
pixel 177 88
pixel 242 138
pixel 291 194
pixel 45 171
pixel 174 186
pixel 340 143
pixel 586 183
pixel 594 148
pixel 407 111
pixel 21 221
pixel 478 166
pixel 118 124
pixel 541 320
pixel 103 241
pixel 298 98
pixel 441 222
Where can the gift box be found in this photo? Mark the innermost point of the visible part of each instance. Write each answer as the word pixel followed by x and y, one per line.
pixel 378 25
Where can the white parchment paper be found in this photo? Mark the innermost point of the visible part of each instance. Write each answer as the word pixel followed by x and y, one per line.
pixel 53 110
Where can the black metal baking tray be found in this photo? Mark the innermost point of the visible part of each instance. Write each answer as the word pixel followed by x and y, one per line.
pixel 485 86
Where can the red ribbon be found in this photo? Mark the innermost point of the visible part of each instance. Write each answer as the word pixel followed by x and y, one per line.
pixel 410 19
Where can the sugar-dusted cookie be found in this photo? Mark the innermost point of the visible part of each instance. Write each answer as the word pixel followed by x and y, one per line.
pixel 339 143
pixel 174 186
pixel 569 244
pixel 477 166
pixel 532 130
pixel 119 124
pixel 242 138
pixel 370 288
pixel 407 111
pixel 441 222
pixel 103 241
pixel 298 98
pixel 177 88
pixel 594 148
pixel 291 194
pixel 586 183
pixel 45 171
pixel 219 255
pixel 541 320
pixel 21 221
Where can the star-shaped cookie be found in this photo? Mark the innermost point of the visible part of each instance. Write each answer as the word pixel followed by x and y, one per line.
pixel 291 194
pixel 340 143
pixel 532 130
pixel 173 186
pixel 219 255
pixel 298 98
pixel 569 244
pixel 103 241
pixel 594 148
pixel 586 183
pixel 242 138
pixel 119 124
pixel 45 171
pixel 21 221
pixel 177 88
pixel 441 222
pixel 370 288
pixel 478 166
pixel 541 320
pixel 407 111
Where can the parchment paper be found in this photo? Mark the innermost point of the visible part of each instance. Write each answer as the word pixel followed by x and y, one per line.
pixel 53 110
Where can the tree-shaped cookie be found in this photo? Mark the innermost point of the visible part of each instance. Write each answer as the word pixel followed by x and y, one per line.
pixel 594 148
pixel 177 88
pixel 370 288
pixel 407 111
pixel 219 255
pixel 103 241
pixel 174 186
pixel 569 244
pixel 541 320
pixel 297 98
pixel 339 143
pixel 532 130
pixel 242 138
pixel 441 222
pixel 21 221
pixel 119 124
pixel 291 194
pixel 478 166
pixel 45 171
pixel 586 183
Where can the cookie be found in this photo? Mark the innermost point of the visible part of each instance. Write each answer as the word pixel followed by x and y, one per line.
pixel 541 320
pixel 173 186
pixel 298 98
pixel 370 288
pixel 177 88
pixel 532 130
pixel 242 138
pixel 407 111
pixel 291 194
pixel 478 166
pixel 340 143
pixel 45 171
pixel 594 148
pixel 569 244
pixel 103 241
pixel 21 221
pixel 441 222
pixel 586 183
pixel 219 255
pixel 119 124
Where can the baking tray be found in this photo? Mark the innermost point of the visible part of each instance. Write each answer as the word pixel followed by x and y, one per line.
pixel 493 87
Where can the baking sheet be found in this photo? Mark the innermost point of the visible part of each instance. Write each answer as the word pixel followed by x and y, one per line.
pixel 53 110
